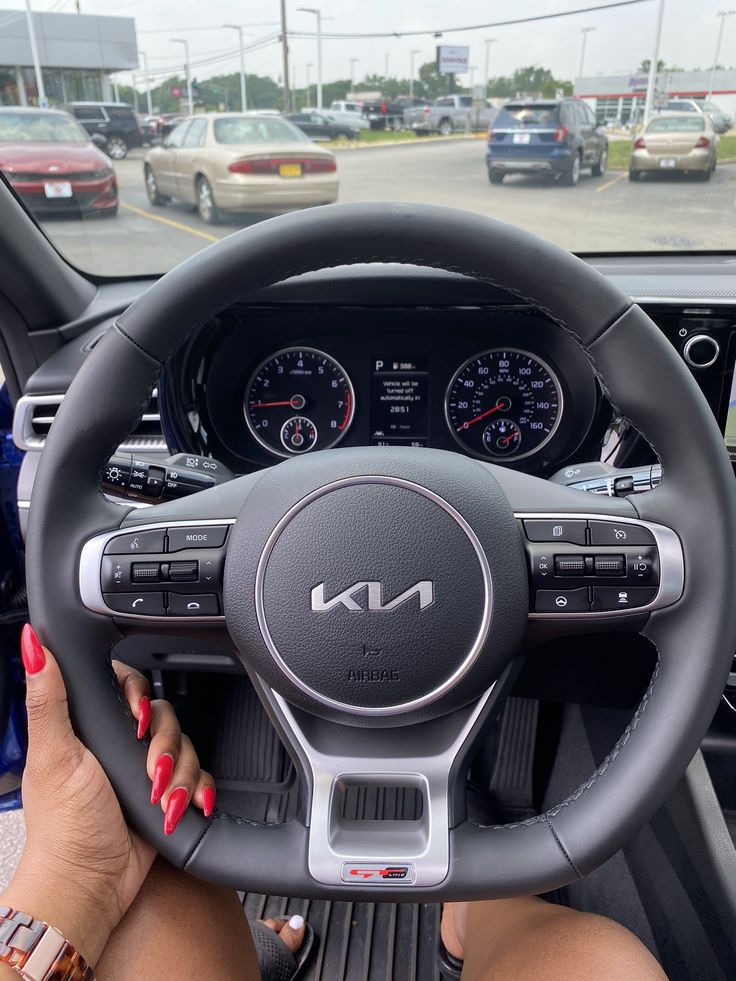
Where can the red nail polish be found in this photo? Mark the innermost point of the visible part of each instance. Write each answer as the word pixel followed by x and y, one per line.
pixel 177 804
pixel 208 801
pixel 161 776
pixel 31 651
pixel 144 715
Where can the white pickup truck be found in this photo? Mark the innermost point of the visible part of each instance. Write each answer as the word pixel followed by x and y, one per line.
pixel 450 114
pixel 349 113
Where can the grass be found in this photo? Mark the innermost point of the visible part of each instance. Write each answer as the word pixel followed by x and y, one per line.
pixel 619 152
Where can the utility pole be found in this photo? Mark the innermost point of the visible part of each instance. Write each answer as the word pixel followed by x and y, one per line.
pixel 243 94
pixel 318 14
pixel 486 76
pixel 353 62
pixel 651 82
pixel 294 107
pixel 190 100
pixel 285 54
pixel 585 31
pixel 144 59
pixel 308 66
pixel 42 100
pixel 723 14
pixel 411 71
pixel 385 66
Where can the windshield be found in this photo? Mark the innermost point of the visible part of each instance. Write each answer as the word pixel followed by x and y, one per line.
pixel 215 118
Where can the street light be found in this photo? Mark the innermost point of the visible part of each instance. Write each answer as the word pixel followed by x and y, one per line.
pixel 488 42
pixel 385 66
pixel 144 59
pixel 178 40
pixel 585 31
pixel 353 63
pixel 411 72
pixel 308 66
pixel 471 69
pixel 654 63
pixel 42 100
pixel 243 93
pixel 318 14
pixel 723 14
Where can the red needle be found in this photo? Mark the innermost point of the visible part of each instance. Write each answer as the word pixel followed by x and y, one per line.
pixel 507 439
pixel 265 405
pixel 488 412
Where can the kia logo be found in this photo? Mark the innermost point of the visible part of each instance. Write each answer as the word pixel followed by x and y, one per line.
pixel 374 590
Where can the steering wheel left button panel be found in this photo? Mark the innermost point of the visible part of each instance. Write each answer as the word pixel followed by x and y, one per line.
pixel 135 575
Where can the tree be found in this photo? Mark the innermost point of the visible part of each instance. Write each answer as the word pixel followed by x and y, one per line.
pixel 647 63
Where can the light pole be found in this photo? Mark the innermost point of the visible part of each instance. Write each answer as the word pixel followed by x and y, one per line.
pixel 285 55
pixel 178 40
pixel 723 14
pixel 651 82
pixel 42 100
pixel 318 14
pixel 385 66
pixel 243 93
pixel 585 31
pixel 471 69
pixel 411 71
pixel 308 66
pixel 149 105
pixel 353 63
pixel 488 42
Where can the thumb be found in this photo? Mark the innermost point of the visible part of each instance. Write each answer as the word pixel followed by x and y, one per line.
pixel 50 732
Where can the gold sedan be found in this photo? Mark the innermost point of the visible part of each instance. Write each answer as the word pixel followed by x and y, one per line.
pixel 240 162
pixel 676 142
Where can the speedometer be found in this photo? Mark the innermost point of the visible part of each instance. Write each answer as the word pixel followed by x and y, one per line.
pixel 298 400
pixel 504 404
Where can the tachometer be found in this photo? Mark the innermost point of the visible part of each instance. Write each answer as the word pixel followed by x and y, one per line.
pixel 504 404
pixel 298 400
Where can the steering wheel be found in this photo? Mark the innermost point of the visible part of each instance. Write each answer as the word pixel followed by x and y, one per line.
pixel 378 597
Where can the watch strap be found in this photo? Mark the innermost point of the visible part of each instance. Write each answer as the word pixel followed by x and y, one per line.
pixel 37 951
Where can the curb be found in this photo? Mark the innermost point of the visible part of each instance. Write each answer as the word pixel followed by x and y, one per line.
pixel 417 141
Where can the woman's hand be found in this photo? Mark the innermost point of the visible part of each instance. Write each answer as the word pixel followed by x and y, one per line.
pixel 82 866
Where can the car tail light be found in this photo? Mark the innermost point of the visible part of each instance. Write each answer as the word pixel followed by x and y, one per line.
pixel 640 144
pixel 703 142
pixel 270 165
pixel 490 135
pixel 561 134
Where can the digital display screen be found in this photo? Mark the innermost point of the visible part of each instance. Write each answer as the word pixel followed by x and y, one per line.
pixel 729 434
pixel 399 402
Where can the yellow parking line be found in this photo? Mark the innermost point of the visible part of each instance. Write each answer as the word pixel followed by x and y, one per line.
pixel 604 187
pixel 173 224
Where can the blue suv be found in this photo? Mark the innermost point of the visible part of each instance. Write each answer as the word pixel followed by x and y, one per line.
pixel 555 137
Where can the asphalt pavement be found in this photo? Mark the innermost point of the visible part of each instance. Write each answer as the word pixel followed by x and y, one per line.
pixel 605 214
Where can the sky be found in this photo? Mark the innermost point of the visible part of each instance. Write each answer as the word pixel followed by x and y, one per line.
pixel 620 40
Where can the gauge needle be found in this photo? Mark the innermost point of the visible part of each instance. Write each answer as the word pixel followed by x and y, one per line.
pixel 507 439
pixel 266 405
pixel 495 408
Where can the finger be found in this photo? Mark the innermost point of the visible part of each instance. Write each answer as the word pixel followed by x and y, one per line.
pixel 204 795
pixel 291 931
pixel 137 693
pixel 164 749
pixel 51 740
pixel 183 783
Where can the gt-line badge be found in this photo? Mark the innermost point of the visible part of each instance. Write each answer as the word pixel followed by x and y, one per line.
pixel 376 873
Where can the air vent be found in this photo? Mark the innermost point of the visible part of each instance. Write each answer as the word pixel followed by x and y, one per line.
pixel 34 415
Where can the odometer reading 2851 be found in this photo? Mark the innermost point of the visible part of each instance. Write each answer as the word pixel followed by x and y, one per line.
pixel 504 404
pixel 299 400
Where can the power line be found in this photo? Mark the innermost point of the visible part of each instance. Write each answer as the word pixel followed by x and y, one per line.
pixel 211 27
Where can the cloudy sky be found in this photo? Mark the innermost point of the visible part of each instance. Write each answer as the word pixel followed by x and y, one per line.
pixel 622 37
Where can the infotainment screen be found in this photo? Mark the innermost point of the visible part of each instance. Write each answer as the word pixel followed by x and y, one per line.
pixel 399 402
pixel 730 430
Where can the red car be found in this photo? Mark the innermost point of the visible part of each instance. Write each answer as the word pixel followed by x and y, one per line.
pixel 53 165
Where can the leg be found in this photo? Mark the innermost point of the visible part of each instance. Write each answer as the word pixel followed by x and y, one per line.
pixel 506 939
pixel 180 927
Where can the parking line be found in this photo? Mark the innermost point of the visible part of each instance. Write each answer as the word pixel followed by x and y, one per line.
pixel 167 221
pixel 604 187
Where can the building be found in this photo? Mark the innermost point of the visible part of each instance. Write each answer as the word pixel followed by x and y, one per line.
pixel 617 97
pixel 77 53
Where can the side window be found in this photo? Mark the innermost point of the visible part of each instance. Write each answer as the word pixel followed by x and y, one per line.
pixel 195 136
pixel 175 139
pixel 119 112
pixel 318 120
pixel 466 101
pixel 581 114
pixel 567 117
pixel 445 102
pixel 89 113
pixel 589 114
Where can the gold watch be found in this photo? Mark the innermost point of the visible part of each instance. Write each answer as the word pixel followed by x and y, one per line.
pixel 37 951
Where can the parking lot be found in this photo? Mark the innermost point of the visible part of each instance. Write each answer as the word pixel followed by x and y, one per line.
pixel 607 214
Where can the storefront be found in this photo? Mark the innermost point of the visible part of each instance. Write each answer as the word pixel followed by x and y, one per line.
pixel 616 98
pixel 77 52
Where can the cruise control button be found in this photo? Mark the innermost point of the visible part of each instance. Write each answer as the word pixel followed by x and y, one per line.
pixel 607 598
pixel 204 537
pixel 615 533
pixel 140 543
pixel 146 572
pixel 571 531
pixel 143 604
pixel 562 601
pixel 193 605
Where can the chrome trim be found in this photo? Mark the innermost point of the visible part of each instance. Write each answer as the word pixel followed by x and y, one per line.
pixel 671 565
pixel 489 457
pixel 695 339
pixel 277 354
pixel 90 568
pixel 459 672
pixel 696 301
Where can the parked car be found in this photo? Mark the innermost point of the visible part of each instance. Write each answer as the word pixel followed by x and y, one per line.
pixel 451 113
pixel 320 127
pixel 383 113
pixel 240 162
pixel 149 126
pixel 676 142
pixel 720 120
pixel 116 121
pixel 53 164
pixel 555 137
pixel 347 112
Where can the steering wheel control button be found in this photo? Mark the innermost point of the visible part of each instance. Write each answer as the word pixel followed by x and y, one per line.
pixel 607 598
pixel 619 533
pixel 184 571
pixel 562 601
pixel 193 605
pixel 571 531
pixel 609 565
pixel 142 604
pixel 146 572
pixel 210 536
pixel 138 543
pixel 569 565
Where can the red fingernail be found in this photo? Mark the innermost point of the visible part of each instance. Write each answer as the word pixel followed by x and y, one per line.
pixel 31 651
pixel 178 801
pixel 144 715
pixel 161 776
pixel 208 801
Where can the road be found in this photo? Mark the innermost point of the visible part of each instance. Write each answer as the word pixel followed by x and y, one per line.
pixel 607 214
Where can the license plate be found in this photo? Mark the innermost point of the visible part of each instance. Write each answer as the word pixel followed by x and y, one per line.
pixel 522 138
pixel 57 189
pixel 668 162
pixel 290 170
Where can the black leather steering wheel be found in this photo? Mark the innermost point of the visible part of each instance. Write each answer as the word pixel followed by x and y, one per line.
pixel 419 555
